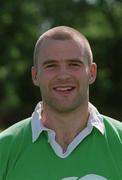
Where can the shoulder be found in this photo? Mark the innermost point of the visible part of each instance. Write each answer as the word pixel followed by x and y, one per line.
pixel 112 122
pixel 113 126
pixel 15 131
pixel 14 141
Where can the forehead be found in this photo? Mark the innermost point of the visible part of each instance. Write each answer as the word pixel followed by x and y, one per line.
pixel 60 49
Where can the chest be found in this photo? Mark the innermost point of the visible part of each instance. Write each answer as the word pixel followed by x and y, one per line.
pixel 39 162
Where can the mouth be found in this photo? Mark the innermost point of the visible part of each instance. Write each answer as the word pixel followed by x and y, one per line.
pixel 65 89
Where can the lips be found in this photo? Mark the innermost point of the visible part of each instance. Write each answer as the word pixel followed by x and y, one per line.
pixel 64 88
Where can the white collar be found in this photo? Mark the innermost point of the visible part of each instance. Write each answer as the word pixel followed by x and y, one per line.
pixel 95 120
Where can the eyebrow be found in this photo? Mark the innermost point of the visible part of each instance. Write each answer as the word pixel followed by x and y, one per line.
pixel 75 61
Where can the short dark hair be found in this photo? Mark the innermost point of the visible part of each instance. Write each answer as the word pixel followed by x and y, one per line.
pixel 63 33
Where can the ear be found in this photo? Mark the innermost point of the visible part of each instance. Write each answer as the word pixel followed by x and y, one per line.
pixel 34 76
pixel 92 73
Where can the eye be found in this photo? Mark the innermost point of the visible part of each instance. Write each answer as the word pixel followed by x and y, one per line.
pixel 50 65
pixel 75 64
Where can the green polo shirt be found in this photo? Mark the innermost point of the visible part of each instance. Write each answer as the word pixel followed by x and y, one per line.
pixel 97 157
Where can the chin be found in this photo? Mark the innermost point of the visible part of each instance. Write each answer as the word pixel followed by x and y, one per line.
pixel 65 108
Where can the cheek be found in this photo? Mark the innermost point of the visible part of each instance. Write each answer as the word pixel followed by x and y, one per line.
pixel 82 77
pixel 44 78
pixel 79 75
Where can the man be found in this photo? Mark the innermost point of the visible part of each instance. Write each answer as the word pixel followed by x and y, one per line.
pixel 66 138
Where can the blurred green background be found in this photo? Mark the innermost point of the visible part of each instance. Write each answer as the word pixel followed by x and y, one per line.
pixel 21 22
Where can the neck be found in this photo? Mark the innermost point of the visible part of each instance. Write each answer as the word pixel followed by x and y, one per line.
pixel 66 126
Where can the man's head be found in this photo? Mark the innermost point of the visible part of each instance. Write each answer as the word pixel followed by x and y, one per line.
pixel 63 68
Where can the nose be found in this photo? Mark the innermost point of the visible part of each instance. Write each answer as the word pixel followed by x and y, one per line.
pixel 63 74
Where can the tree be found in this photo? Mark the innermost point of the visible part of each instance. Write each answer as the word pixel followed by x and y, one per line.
pixel 23 21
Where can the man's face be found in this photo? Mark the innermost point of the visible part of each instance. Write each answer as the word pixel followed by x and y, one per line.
pixel 62 75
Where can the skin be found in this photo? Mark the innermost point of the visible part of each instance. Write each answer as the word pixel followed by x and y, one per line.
pixel 63 76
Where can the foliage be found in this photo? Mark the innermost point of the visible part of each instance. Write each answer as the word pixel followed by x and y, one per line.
pixel 22 22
